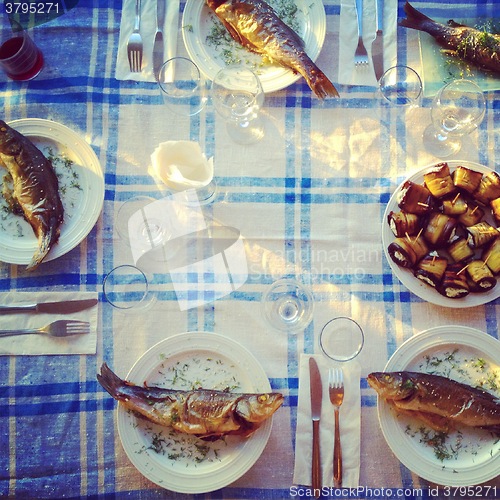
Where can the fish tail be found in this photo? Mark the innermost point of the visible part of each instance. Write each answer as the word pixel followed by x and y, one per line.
pixel 319 83
pixel 45 242
pixel 418 21
pixel 110 381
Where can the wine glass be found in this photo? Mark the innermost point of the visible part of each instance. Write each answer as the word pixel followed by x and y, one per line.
pixel 341 339
pixel 457 109
pixel 401 86
pixel 183 87
pixel 288 306
pixel 237 96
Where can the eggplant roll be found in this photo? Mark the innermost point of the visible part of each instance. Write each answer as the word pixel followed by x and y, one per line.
pixel 473 214
pixel 431 269
pixel 488 189
pixel 439 181
pixel 403 223
pixel 454 206
pixel 467 179
pixel 460 251
pixel 481 276
pixel 481 233
pixel 406 252
pixel 415 198
pixel 454 284
pixel 491 256
pixel 440 229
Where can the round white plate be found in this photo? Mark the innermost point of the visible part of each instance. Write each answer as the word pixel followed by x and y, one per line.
pixel 198 21
pixel 478 459
pixel 213 361
pixel 82 202
pixel 424 291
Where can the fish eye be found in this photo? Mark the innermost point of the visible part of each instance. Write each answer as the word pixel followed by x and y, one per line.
pixel 263 398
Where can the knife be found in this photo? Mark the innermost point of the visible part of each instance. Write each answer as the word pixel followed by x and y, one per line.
pixel 378 43
pixel 61 307
pixel 316 390
pixel 158 42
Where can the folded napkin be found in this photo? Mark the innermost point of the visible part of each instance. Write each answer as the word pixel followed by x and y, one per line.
pixel 43 344
pixel 147 30
pixel 348 36
pixel 350 425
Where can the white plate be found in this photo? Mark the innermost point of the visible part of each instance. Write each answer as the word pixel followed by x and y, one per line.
pixel 198 21
pixel 479 458
pixel 424 291
pixel 221 362
pixel 82 204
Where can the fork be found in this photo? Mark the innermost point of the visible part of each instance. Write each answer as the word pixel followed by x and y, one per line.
pixel 59 328
pixel 134 44
pixel 360 56
pixel 336 393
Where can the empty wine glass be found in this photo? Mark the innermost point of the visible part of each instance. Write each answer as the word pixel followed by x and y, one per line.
pixel 457 109
pixel 288 306
pixel 183 87
pixel 237 96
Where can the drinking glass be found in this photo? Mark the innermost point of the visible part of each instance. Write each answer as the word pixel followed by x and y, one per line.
pixel 237 96
pixel 457 109
pixel 183 87
pixel 401 86
pixel 288 306
pixel 20 58
pixel 341 339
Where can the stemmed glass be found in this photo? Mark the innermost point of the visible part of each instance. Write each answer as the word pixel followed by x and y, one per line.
pixel 183 87
pixel 288 306
pixel 457 109
pixel 237 96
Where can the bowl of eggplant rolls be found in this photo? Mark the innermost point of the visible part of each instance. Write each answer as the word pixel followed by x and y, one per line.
pixel 440 233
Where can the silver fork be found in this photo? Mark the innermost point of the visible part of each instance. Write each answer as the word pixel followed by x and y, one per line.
pixel 59 328
pixel 336 393
pixel 360 56
pixel 134 44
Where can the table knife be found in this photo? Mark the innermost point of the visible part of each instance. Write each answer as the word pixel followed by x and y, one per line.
pixel 158 42
pixel 61 307
pixel 316 391
pixel 378 43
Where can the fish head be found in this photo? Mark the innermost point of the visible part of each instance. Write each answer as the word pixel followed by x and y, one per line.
pixel 256 408
pixel 392 385
pixel 8 140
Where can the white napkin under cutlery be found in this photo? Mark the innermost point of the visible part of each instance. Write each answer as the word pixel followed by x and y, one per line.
pixel 350 425
pixel 147 31
pixel 40 344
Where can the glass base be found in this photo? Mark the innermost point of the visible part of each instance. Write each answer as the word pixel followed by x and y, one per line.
pixel 440 145
pixel 246 132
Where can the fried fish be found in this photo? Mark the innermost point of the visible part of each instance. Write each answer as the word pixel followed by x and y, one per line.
pixel 440 402
pixel 205 413
pixel 256 26
pixel 474 46
pixel 35 192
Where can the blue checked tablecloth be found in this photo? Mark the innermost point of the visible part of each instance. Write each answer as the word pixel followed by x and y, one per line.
pixel 308 201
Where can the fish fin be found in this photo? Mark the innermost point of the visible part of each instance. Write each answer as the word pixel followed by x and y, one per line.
pixel 320 84
pixel 415 19
pixel 109 380
pixel 45 242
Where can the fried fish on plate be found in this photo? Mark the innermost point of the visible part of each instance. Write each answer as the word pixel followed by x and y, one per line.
pixel 35 192
pixel 205 413
pixel 256 26
pixel 475 46
pixel 438 401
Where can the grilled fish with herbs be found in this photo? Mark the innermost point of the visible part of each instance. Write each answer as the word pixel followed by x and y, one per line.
pixel 440 402
pixel 35 189
pixel 205 413
pixel 255 25
pixel 474 46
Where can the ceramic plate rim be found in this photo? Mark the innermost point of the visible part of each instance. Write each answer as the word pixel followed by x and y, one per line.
pixel 401 358
pixel 72 234
pixel 276 78
pixel 250 451
pixel 426 292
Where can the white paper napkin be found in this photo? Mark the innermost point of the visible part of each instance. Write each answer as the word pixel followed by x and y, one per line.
pixel 43 344
pixel 348 36
pixel 350 425
pixel 147 30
